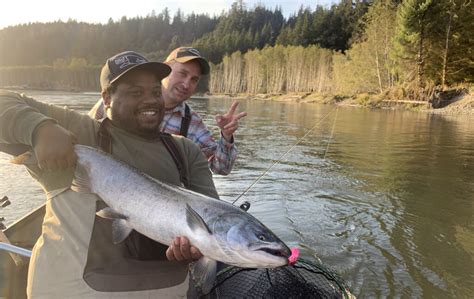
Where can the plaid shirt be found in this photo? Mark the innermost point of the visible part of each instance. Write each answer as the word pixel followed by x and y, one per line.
pixel 221 154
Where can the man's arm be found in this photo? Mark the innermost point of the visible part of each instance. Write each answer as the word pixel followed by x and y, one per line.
pixel 19 117
pixel 46 128
pixel 223 159
pixel 221 155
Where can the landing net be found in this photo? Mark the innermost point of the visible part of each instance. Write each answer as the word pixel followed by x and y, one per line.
pixel 302 280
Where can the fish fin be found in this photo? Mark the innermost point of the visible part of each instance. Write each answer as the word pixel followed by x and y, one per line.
pixel 25 159
pixel 110 213
pixel 81 181
pixel 203 273
pixel 120 230
pixel 195 221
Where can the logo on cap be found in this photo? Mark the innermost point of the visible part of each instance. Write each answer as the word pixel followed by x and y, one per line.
pixel 194 51
pixel 126 60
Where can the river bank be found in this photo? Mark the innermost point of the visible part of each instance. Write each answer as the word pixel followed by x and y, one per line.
pixel 458 102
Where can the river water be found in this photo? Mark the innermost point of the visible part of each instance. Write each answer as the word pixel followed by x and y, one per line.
pixel 385 198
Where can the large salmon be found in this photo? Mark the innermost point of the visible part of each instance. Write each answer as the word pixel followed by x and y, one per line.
pixel 221 231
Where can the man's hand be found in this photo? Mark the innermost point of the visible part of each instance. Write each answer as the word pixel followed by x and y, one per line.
pixel 53 146
pixel 181 250
pixel 229 122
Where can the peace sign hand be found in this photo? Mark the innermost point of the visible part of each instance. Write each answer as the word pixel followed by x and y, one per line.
pixel 229 122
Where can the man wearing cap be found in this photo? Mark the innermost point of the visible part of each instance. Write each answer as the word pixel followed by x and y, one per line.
pixel 187 67
pixel 74 257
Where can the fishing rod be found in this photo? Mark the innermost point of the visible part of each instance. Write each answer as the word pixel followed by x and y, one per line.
pixel 246 205
pixel 14 251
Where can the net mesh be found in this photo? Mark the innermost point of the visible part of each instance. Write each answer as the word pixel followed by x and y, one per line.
pixel 302 280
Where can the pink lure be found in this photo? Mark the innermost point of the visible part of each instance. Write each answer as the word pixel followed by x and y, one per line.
pixel 295 252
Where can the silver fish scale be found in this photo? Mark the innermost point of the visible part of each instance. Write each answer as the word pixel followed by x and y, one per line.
pixel 158 210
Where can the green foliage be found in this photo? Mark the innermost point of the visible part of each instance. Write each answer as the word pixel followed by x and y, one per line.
pixel 330 28
pixel 451 54
pixel 152 35
pixel 378 45
pixel 436 36
pixel 367 66
pixel 411 46
pixel 241 29
pixel 75 76
pixel 363 99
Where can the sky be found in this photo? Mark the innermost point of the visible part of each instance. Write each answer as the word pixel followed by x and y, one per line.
pixel 14 12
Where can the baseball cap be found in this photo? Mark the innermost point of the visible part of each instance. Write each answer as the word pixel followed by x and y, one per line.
pixel 185 54
pixel 121 63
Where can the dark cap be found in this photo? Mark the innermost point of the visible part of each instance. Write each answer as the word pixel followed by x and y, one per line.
pixel 185 54
pixel 118 65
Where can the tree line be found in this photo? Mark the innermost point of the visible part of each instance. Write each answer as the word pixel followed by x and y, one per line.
pixel 274 70
pixel 238 29
pixel 415 47
pixel 421 44
pixel 353 46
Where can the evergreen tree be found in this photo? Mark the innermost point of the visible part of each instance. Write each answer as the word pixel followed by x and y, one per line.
pixel 231 32
pixel 436 36
pixel 410 40
pixel 330 28
pixel 449 42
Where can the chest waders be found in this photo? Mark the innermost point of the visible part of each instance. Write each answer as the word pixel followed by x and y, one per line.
pixel 138 263
pixel 185 121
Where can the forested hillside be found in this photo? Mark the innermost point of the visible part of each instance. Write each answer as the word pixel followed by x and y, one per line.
pixel 413 50
pixel 238 29
pixel 351 47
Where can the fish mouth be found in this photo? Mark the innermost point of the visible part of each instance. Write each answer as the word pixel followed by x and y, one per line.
pixel 284 252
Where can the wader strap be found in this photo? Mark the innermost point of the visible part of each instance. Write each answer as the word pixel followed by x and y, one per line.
pixel 185 121
pixel 103 136
pixel 172 148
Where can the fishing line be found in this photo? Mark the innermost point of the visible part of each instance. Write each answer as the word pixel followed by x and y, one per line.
pixel 282 156
pixel 332 133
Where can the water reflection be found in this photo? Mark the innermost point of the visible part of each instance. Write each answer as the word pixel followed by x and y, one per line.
pixel 391 205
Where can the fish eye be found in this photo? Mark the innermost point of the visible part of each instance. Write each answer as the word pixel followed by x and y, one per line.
pixel 261 238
